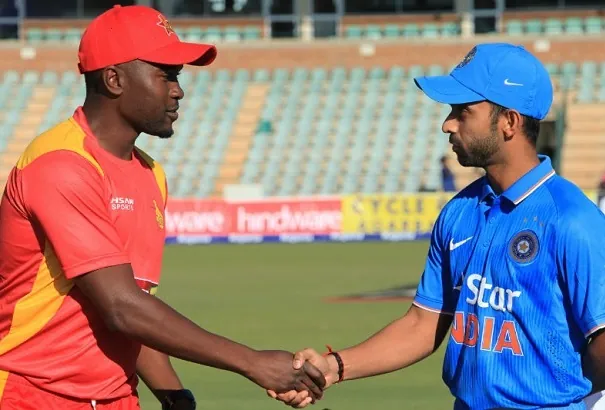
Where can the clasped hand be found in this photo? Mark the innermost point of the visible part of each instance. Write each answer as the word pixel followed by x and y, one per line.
pixel 298 398
pixel 274 370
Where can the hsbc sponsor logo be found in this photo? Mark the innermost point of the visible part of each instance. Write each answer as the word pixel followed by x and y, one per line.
pixel 120 203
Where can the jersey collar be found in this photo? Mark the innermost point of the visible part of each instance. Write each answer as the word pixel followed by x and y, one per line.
pixel 80 119
pixel 526 185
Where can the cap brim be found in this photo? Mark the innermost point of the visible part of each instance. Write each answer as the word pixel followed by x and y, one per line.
pixel 182 53
pixel 446 89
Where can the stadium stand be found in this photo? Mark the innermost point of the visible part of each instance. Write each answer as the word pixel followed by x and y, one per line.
pixel 513 27
pixel 36 35
pixel 408 30
pixel 568 25
pixel 322 118
pixel 69 32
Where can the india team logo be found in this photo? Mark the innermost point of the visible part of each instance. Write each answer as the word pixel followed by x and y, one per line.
pixel 524 247
pixel 467 58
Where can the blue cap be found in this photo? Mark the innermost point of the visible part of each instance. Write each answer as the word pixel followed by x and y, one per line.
pixel 505 74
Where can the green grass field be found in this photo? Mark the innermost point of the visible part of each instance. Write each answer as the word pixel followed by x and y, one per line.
pixel 272 296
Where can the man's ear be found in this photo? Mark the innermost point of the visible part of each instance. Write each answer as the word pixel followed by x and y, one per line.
pixel 113 79
pixel 513 123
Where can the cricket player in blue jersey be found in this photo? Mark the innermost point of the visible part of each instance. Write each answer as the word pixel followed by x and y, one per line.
pixel 516 264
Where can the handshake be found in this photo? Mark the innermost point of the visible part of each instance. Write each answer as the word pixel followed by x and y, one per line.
pixel 300 380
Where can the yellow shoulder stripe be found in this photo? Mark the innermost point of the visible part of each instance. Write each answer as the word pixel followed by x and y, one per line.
pixel 158 172
pixel 67 135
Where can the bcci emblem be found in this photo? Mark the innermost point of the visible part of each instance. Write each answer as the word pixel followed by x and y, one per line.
pixel 524 247
pixel 467 58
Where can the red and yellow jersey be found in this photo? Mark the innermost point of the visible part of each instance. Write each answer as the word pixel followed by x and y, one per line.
pixel 70 208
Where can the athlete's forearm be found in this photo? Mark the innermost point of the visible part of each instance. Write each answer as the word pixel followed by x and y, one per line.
pixel 155 324
pixel 156 371
pixel 402 343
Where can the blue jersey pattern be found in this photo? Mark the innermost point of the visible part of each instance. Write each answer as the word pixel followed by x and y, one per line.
pixel 523 274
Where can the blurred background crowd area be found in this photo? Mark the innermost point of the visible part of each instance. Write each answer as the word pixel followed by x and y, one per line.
pixel 315 97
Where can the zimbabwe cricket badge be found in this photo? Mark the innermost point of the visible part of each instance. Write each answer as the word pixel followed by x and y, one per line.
pixel 159 218
pixel 524 247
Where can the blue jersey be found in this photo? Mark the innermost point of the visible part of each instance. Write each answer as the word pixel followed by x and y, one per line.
pixel 523 274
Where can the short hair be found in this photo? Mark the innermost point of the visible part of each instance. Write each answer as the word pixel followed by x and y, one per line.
pixel 531 126
pixel 93 80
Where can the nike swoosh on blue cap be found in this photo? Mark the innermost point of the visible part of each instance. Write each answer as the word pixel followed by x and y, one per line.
pixel 502 73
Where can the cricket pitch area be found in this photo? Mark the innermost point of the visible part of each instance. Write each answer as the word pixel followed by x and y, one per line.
pixel 286 296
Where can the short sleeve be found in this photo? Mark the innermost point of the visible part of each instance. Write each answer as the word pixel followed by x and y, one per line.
pixel 581 262
pixel 65 195
pixel 166 190
pixel 434 292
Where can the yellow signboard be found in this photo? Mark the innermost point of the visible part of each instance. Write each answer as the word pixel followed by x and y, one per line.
pixel 397 213
pixel 381 213
pixel 592 194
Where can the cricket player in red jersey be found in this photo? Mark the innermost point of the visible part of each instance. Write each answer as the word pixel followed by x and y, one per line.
pixel 81 239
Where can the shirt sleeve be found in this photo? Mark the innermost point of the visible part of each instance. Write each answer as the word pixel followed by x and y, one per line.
pixel 65 195
pixel 435 291
pixel 166 188
pixel 581 262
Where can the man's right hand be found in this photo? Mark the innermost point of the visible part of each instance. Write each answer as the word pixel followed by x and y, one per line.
pixel 328 367
pixel 273 370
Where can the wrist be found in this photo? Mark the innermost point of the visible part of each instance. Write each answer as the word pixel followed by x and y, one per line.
pixel 335 364
pixel 175 397
pixel 249 364
pixel 332 375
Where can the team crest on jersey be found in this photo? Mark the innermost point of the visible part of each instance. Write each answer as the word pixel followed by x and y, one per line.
pixel 159 218
pixel 467 58
pixel 524 247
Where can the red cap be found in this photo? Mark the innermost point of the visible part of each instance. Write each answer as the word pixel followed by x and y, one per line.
pixel 129 33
